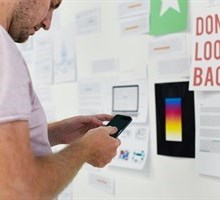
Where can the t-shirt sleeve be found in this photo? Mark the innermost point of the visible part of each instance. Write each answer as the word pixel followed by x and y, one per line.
pixel 15 101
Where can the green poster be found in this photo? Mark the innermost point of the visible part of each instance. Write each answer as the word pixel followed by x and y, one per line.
pixel 168 16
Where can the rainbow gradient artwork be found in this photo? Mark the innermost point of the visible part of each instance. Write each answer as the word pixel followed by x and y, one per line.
pixel 173 119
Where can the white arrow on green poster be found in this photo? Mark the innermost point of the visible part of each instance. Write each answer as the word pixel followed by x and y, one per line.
pixel 168 16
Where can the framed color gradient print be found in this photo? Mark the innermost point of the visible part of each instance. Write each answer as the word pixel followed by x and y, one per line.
pixel 175 119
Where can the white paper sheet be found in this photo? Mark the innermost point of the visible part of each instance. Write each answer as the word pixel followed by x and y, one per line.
pixel 88 21
pixel 214 2
pixel 105 65
pixel 133 151
pixel 134 25
pixel 101 182
pixel 64 55
pixel 168 45
pixel 94 96
pixel 43 60
pixel 205 69
pixel 167 67
pixel 208 133
pixel 131 8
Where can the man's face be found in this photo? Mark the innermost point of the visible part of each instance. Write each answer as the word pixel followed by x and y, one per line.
pixel 29 16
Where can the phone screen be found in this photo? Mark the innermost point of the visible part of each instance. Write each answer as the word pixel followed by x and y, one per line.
pixel 121 122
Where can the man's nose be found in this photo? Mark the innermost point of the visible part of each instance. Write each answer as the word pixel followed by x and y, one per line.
pixel 46 22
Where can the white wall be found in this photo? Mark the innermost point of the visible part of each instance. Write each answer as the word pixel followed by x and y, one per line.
pixel 163 177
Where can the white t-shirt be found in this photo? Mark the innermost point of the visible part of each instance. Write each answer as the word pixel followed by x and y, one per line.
pixel 18 100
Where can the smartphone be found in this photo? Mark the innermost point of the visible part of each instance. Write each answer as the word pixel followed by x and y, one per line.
pixel 121 122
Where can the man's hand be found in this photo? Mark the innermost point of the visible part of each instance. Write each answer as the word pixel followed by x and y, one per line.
pixel 98 146
pixel 68 130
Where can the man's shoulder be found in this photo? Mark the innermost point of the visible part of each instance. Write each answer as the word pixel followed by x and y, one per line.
pixel 10 55
pixel 5 38
pixel 8 46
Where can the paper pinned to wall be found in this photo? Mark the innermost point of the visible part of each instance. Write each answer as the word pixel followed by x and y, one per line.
pixel 168 45
pixel 133 8
pixel 43 59
pixel 95 96
pixel 101 182
pixel 88 21
pixel 107 65
pixel 64 55
pixel 214 2
pixel 204 74
pixel 135 25
pixel 133 151
pixel 208 133
pixel 178 67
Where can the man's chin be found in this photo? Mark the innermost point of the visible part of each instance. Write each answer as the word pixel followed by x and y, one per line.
pixel 22 39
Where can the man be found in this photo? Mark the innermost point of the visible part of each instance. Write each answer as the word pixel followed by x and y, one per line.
pixel 28 169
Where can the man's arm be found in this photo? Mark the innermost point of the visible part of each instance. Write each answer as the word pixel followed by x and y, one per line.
pixel 25 176
pixel 54 133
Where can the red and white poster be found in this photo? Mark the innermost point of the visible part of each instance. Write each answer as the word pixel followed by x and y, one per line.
pixel 205 69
